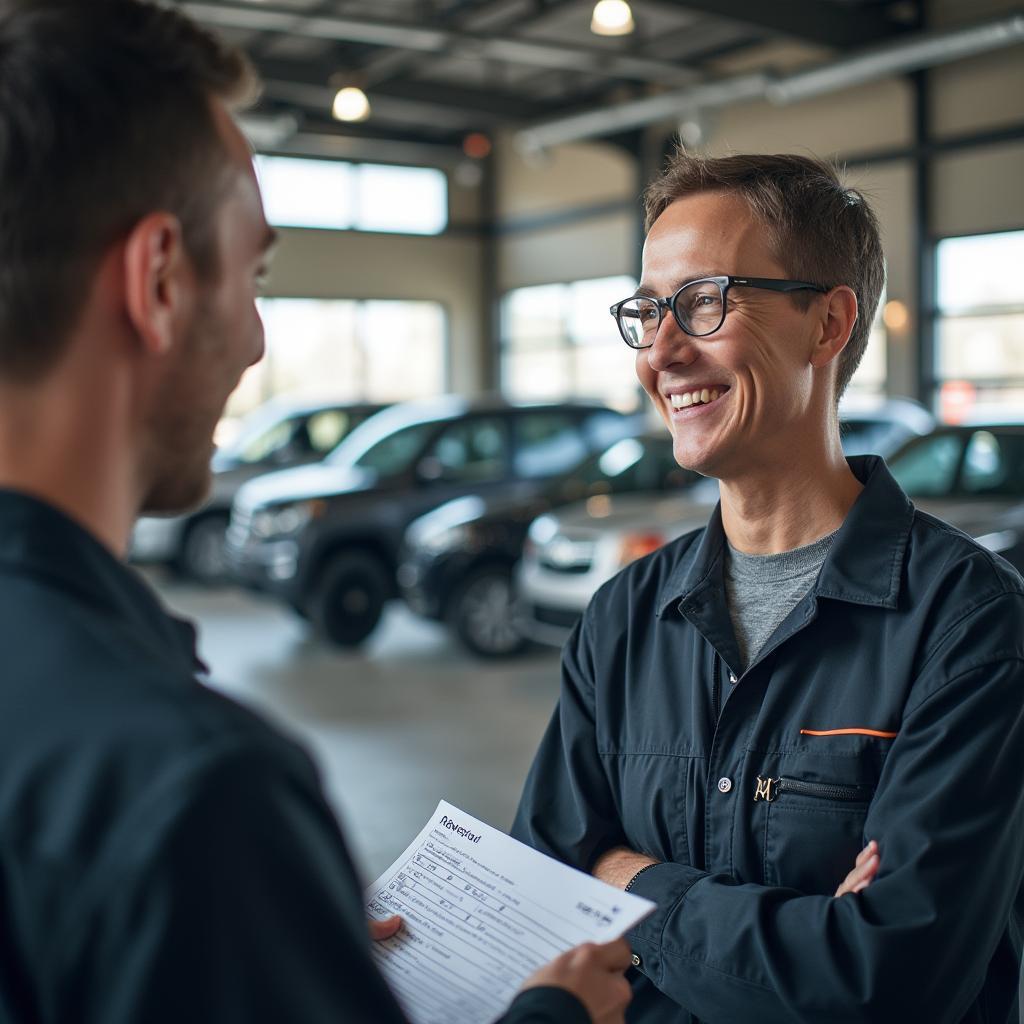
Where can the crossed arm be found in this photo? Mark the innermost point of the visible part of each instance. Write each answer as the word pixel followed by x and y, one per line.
pixel 620 865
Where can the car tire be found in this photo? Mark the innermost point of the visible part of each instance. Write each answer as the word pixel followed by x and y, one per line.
pixel 348 600
pixel 203 556
pixel 481 614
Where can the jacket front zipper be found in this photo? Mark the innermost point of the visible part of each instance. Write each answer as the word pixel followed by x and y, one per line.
pixel 769 789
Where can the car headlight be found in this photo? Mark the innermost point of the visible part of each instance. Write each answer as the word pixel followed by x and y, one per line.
pixel 543 530
pixel 286 520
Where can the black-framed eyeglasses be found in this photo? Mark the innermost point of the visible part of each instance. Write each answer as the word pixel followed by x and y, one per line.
pixel 698 307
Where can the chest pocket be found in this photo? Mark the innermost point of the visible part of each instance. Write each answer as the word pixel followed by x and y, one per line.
pixel 813 826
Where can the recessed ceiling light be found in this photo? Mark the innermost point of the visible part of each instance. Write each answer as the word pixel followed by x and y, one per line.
pixel 351 104
pixel 612 18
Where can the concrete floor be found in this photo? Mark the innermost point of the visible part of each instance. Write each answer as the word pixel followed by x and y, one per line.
pixel 396 727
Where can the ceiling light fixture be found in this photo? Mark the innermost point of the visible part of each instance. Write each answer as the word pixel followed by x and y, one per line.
pixel 351 104
pixel 612 18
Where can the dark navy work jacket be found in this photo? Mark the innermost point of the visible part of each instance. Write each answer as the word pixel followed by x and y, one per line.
pixel 165 856
pixel 889 705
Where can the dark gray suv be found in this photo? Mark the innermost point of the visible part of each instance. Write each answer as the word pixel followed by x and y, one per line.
pixel 325 538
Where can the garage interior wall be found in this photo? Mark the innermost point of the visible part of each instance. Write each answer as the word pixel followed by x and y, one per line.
pixel 573 212
pixel 317 264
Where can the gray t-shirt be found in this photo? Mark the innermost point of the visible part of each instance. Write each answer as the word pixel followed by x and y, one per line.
pixel 762 590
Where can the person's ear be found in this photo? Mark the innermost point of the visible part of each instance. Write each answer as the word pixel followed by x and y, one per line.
pixel 157 279
pixel 839 316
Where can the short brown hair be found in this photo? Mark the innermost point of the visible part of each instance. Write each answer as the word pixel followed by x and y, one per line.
pixel 819 229
pixel 105 116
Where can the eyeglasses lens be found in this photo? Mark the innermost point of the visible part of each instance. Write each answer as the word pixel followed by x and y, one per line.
pixel 700 307
pixel 638 322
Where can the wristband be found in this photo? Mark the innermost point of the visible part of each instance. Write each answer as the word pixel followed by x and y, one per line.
pixel 646 867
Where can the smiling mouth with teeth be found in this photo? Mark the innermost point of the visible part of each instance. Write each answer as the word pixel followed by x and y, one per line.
pixel 703 396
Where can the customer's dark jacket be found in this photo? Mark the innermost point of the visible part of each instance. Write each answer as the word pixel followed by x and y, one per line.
pixel 889 705
pixel 164 855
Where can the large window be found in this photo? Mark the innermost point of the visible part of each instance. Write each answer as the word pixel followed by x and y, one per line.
pixel 980 330
pixel 558 341
pixel 346 350
pixel 360 197
pixel 870 376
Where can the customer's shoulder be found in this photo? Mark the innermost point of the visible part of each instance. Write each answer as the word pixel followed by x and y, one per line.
pixel 84 691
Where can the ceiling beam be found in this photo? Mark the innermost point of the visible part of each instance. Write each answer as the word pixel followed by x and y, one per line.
pixel 521 13
pixel 825 24
pixel 426 39
pixel 309 87
pixel 318 99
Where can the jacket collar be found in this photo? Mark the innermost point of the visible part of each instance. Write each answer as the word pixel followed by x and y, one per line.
pixel 864 565
pixel 38 540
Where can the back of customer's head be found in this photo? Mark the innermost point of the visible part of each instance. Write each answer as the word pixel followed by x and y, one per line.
pixel 105 116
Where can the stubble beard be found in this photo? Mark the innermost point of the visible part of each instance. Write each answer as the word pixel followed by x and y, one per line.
pixel 181 427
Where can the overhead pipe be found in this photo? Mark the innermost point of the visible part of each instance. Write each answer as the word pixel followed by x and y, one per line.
pixel 922 51
pixel 425 40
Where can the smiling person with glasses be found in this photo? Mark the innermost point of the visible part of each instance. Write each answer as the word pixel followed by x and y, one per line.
pixel 799 730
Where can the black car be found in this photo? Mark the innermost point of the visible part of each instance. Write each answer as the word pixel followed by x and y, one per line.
pixel 971 475
pixel 325 538
pixel 457 562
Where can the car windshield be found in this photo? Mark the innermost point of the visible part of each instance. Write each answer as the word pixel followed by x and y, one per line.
pixel 396 452
pixel 634 464
pixel 356 450
pixel 261 423
pixel 865 436
pixel 927 467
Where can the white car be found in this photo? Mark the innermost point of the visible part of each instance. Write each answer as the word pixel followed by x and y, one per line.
pixel 571 552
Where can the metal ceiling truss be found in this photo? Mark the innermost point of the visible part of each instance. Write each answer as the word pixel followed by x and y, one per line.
pixel 565 89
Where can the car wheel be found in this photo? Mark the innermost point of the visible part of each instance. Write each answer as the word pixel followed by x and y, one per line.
pixel 203 557
pixel 349 598
pixel 481 614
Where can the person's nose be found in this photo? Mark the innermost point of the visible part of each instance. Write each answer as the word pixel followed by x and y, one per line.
pixel 672 346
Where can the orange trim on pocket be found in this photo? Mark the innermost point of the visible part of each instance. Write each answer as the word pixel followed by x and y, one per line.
pixel 849 732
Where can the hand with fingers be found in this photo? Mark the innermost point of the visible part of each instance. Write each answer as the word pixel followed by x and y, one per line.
pixel 594 974
pixel 864 870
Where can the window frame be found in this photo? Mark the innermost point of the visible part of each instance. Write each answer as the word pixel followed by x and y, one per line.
pixel 941 314
pixel 565 345
pixel 354 170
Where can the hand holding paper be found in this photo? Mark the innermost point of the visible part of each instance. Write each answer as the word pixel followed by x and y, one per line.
pixel 594 974
pixel 482 913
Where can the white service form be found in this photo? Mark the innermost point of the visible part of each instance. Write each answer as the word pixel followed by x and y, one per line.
pixel 481 913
